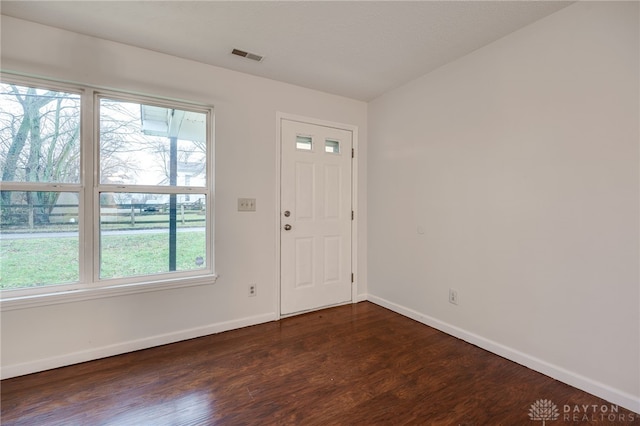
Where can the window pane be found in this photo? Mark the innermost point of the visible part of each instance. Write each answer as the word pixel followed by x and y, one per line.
pixel 303 143
pixel 332 146
pixel 39 240
pixel 39 135
pixel 149 145
pixel 136 229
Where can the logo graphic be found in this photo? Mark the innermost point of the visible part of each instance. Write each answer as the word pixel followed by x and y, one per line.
pixel 544 410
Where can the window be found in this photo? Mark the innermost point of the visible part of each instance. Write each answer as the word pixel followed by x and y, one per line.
pixel 332 146
pixel 101 189
pixel 304 143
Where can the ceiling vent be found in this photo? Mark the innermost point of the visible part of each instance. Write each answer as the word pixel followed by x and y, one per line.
pixel 247 55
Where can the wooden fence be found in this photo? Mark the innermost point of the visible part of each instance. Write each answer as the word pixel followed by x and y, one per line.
pixel 66 215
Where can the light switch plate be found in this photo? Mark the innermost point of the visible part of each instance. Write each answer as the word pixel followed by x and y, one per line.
pixel 246 204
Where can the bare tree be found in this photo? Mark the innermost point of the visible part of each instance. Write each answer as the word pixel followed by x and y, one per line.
pixel 40 142
pixel 120 139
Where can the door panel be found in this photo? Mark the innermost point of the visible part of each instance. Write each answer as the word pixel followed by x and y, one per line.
pixel 305 182
pixel 332 185
pixel 303 257
pixel 332 256
pixel 316 236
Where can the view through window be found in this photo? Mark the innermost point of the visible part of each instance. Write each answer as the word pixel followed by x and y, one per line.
pixel 141 215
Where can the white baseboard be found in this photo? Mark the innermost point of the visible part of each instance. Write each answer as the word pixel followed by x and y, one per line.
pixel 601 390
pixel 130 346
pixel 361 298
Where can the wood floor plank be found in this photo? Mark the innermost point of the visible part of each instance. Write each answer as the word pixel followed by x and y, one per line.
pixel 350 365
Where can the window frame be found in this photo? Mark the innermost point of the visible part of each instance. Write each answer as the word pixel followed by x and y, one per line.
pixel 89 284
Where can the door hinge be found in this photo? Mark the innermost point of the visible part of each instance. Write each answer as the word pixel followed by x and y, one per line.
pixel 353 153
pixel 352 277
pixel 352 214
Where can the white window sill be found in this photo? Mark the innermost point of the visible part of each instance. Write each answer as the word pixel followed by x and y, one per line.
pixel 55 298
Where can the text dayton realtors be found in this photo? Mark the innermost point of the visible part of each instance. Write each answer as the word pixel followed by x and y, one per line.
pixel 594 413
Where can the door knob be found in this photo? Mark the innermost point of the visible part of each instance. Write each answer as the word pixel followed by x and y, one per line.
pixel 287 227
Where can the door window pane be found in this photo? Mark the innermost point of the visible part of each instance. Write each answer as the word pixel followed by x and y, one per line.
pixel 39 135
pixel 332 146
pixel 150 145
pixel 304 143
pixel 39 239
pixel 146 234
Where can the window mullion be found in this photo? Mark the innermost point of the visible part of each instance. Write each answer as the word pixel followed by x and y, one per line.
pixel 152 189
pixel 41 186
pixel 88 166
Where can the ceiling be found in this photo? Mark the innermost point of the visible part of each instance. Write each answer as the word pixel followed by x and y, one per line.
pixel 357 49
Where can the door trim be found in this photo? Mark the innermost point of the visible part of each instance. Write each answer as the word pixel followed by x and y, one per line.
pixel 354 199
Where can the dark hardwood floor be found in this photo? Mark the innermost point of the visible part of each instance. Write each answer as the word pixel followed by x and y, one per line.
pixel 351 365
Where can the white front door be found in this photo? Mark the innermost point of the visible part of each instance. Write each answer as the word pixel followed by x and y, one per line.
pixel 315 216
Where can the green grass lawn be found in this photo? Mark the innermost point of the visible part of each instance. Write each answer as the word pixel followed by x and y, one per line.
pixel 42 261
pixel 38 261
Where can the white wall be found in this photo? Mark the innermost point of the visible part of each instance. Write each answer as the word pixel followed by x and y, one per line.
pixel 520 164
pixel 245 246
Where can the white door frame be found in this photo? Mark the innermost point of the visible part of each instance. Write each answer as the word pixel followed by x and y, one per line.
pixel 354 198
